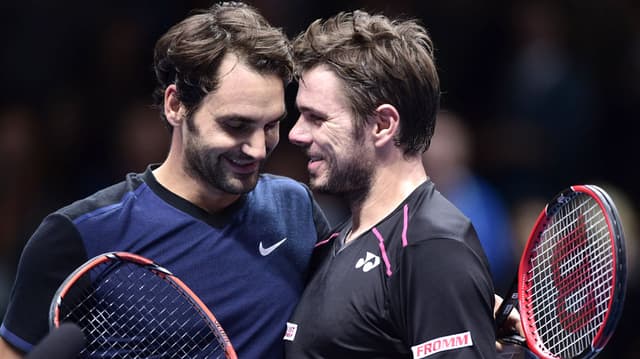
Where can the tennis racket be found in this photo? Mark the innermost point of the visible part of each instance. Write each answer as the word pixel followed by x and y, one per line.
pixel 572 276
pixel 130 307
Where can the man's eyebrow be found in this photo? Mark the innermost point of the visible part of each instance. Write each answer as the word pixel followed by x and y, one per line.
pixel 310 109
pixel 245 118
pixel 235 116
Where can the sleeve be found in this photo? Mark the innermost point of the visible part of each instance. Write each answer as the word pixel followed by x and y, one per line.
pixel 442 301
pixel 322 224
pixel 53 252
pixel 323 231
pixel 320 220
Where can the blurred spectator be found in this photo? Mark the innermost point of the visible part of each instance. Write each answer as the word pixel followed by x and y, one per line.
pixel 24 197
pixel 140 139
pixel 619 69
pixel 74 148
pixel 547 107
pixel 524 213
pixel 449 162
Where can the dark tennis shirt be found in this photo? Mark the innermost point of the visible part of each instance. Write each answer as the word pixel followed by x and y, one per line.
pixel 416 285
pixel 231 260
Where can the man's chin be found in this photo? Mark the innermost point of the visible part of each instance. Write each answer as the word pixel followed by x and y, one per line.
pixel 334 188
pixel 241 185
pixel 320 186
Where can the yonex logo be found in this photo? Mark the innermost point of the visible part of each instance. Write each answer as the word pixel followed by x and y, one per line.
pixel 368 263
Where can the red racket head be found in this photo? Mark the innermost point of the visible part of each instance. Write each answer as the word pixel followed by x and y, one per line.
pixel 572 275
pixel 130 307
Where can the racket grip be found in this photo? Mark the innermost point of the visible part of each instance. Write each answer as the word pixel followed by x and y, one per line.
pixel 507 305
pixel 511 351
pixel 514 347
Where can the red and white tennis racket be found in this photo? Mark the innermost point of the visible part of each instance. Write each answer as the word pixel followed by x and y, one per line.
pixel 572 276
pixel 130 307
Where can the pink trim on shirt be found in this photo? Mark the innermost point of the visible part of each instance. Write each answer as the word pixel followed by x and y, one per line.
pixel 326 240
pixel 405 226
pixel 383 251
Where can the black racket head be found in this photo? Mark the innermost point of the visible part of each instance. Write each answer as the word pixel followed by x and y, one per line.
pixel 130 307
pixel 572 275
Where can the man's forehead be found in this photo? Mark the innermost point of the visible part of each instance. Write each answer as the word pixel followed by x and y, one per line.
pixel 320 87
pixel 246 111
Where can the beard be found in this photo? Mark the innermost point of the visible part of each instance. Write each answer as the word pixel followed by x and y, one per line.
pixel 350 178
pixel 205 164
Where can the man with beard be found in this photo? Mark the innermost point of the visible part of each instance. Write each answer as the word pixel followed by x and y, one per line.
pixel 240 240
pixel 405 275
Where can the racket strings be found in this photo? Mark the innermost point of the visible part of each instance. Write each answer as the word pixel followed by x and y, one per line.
pixel 556 336
pixel 547 306
pixel 561 223
pixel 569 282
pixel 134 313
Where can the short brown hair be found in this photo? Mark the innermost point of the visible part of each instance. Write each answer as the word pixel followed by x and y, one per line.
pixel 189 54
pixel 380 61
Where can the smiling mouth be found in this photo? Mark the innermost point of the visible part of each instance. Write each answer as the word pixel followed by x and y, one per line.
pixel 314 159
pixel 242 166
pixel 313 166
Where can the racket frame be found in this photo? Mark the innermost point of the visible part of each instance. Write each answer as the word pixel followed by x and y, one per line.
pixel 517 293
pixel 120 256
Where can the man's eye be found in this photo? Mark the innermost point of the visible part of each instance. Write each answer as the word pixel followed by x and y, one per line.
pixel 236 126
pixel 314 118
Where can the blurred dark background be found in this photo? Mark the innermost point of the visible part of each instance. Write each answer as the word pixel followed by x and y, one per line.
pixel 546 93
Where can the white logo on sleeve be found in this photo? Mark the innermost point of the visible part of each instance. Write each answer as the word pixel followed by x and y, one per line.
pixel 290 334
pixel 368 263
pixel 455 341
pixel 266 251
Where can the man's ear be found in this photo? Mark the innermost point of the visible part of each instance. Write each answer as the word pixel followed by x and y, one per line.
pixel 387 124
pixel 173 109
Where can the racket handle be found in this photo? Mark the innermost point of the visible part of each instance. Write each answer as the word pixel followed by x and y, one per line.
pixel 511 349
pixel 507 305
pixel 514 347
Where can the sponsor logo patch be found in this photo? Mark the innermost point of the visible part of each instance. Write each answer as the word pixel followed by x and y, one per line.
pixel 441 344
pixel 290 334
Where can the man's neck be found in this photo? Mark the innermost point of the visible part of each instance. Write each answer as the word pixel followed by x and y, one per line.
pixel 174 178
pixel 390 187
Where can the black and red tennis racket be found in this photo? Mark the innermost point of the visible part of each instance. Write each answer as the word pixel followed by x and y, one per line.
pixel 572 276
pixel 130 307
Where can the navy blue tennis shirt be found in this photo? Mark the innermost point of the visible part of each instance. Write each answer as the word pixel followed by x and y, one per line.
pixel 247 264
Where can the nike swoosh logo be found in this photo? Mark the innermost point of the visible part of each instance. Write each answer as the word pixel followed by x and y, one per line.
pixel 266 251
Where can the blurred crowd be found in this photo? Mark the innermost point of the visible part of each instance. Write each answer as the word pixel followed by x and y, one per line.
pixel 537 95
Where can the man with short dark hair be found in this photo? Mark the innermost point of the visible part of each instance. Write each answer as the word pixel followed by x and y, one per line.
pixel 239 239
pixel 405 276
